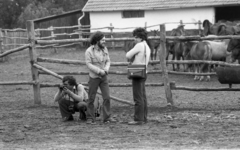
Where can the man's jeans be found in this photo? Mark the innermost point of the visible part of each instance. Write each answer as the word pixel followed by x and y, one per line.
pixel 93 85
pixel 140 100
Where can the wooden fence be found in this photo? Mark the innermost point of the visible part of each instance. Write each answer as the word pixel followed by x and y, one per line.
pixel 37 69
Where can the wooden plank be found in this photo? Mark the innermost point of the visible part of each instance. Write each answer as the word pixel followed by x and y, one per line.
pixel 18 83
pixel 14 50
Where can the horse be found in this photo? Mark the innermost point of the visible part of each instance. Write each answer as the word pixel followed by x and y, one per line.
pixel 234 48
pixel 155 45
pixel 128 45
pixel 207 50
pixel 222 27
pixel 178 47
pixel 200 51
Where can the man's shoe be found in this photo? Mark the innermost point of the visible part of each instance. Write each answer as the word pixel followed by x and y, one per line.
pixel 110 120
pixel 135 123
pixel 82 116
pixel 90 121
pixel 65 119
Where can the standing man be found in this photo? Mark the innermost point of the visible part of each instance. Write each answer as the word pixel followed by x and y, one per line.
pixel 141 54
pixel 98 62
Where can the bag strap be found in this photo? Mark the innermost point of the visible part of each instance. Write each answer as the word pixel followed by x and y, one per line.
pixel 145 54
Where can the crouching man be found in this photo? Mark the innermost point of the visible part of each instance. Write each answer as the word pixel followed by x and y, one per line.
pixel 71 98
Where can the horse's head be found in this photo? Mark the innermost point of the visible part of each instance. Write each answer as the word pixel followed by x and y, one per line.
pixel 206 27
pixel 224 29
pixel 128 45
pixel 155 32
pixel 234 48
pixel 178 31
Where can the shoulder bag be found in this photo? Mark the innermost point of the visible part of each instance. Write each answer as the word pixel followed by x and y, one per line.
pixel 137 71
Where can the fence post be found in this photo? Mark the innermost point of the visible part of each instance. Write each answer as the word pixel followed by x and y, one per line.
pixel 53 38
pixel 81 44
pixel 1 43
pixel 181 22
pixel 6 40
pixel 162 56
pixel 33 59
pixel 199 27
pixel 111 29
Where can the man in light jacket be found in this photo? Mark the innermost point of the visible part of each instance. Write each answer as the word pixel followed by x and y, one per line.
pixel 98 62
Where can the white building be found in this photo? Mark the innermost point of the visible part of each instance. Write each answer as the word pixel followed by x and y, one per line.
pixel 138 13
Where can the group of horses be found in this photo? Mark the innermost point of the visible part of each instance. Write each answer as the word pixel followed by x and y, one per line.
pixel 211 50
pixel 214 50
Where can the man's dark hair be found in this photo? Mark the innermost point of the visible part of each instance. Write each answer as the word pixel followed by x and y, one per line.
pixel 71 80
pixel 141 33
pixel 96 37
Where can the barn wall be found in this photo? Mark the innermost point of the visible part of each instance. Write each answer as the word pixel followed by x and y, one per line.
pixel 61 21
pixel 102 19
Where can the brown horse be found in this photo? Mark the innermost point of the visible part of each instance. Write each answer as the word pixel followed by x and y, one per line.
pixel 178 47
pixel 222 27
pixel 128 45
pixel 234 48
pixel 207 50
pixel 200 51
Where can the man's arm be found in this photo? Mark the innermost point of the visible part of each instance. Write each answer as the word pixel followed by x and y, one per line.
pixel 79 96
pixel 133 51
pixel 89 62
pixel 58 95
pixel 108 62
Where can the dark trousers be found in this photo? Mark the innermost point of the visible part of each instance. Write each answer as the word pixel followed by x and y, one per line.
pixel 140 100
pixel 93 85
pixel 64 104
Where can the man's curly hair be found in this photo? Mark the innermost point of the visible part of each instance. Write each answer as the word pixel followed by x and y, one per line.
pixel 96 37
pixel 71 80
pixel 141 33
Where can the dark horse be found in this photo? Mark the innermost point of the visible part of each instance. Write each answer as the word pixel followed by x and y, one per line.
pixel 222 27
pixel 234 47
pixel 226 28
pixel 178 47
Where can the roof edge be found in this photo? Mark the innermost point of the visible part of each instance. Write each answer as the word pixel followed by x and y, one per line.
pixel 162 8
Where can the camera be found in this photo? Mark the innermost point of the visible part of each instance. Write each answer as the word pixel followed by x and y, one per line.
pixel 61 87
pixel 71 109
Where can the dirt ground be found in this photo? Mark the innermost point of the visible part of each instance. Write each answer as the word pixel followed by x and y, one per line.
pixel 198 120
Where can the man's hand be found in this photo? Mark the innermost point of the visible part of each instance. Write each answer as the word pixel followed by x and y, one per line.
pixel 106 72
pixel 102 73
pixel 66 91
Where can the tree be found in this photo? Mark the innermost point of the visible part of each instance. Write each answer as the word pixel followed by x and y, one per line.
pixel 10 11
pixel 15 13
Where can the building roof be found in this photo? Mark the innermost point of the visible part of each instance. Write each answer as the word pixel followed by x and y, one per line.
pixel 119 5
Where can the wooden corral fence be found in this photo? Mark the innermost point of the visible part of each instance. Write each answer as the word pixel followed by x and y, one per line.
pixel 37 69
pixel 11 39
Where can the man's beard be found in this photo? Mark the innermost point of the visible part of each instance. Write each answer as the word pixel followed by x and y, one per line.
pixel 101 46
